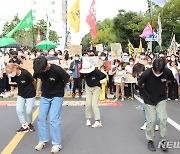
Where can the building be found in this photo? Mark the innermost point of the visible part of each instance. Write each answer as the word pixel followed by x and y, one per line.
pixel 56 11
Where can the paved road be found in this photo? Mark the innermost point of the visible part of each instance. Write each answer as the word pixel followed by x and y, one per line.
pixel 120 132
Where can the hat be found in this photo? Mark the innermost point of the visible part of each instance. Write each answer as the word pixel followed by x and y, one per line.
pixel 87 67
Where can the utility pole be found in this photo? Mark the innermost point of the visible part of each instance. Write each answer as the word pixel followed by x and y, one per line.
pixel 66 29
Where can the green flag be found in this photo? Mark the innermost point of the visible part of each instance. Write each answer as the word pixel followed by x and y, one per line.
pixel 27 22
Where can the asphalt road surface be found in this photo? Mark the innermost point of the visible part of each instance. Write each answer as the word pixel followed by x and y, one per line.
pixel 120 133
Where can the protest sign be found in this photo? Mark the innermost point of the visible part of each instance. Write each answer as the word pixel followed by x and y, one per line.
pixel 75 49
pixel 93 60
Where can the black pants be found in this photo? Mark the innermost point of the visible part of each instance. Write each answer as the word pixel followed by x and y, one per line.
pixel 173 91
pixel 77 85
pixel 110 84
pixel 3 83
pixel 128 91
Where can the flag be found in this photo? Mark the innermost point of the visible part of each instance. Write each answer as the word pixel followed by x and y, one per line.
pixel 152 37
pixel 73 16
pixel 173 46
pixel 159 30
pixel 131 48
pixel 159 2
pixel 27 22
pixel 140 46
pixel 91 47
pixel 38 37
pixel 91 19
pixel 147 31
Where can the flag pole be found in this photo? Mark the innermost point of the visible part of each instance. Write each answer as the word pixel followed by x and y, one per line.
pixel 151 19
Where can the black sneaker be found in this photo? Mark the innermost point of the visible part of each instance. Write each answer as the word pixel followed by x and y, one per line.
pixel 22 130
pixel 164 146
pixel 31 128
pixel 151 146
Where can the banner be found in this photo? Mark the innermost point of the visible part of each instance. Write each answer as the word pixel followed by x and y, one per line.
pixel 93 60
pixel 73 16
pixel 116 50
pixel 99 47
pixel 147 31
pixel 91 19
pixel 75 49
pixel 27 22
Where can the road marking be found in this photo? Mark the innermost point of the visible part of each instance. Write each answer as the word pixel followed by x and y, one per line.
pixel 169 120
pixel 17 138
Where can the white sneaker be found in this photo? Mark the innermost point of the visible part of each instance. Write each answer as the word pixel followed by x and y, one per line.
pixel 157 128
pixel 116 99
pixel 144 126
pixel 97 124
pixel 40 146
pixel 56 148
pixel 88 122
pixel 122 99
pixel 176 100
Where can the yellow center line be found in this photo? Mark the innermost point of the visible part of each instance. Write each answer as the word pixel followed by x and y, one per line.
pixel 17 138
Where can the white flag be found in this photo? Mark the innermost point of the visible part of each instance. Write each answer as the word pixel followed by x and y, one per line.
pixel 159 30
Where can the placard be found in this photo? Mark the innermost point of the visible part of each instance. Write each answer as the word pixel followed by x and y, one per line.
pixel 116 50
pixel 130 78
pixel 93 60
pixel 99 47
pixel 75 49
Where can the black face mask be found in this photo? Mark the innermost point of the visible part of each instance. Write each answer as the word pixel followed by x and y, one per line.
pixel 15 57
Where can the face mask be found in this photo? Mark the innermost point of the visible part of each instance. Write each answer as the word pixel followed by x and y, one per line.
pixel 143 57
pixel 168 58
pixel 32 57
pixel 116 65
pixel 161 56
pixel 14 57
pixel 173 59
pixel 19 54
pixel 138 55
pixel 131 63
pixel 76 58
pixel 157 75
pixel 102 58
pixel 38 54
pixel 119 68
pixel 13 74
pixel 51 53
pixel 26 53
pixel 152 56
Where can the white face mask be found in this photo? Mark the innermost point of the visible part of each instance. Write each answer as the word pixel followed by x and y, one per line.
pixel 157 75
pixel 51 53
pixel 32 57
pixel 20 54
pixel 173 59
pixel 26 53
pixel 13 74
pixel 103 58
pixel 119 68
pixel 152 56
pixel 38 53
pixel 131 63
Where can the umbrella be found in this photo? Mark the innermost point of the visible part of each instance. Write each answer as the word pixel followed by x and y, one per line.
pixel 46 45
pixel 6 41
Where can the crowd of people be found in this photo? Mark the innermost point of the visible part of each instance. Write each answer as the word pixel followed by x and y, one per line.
pixel 119 70
pixel 57 73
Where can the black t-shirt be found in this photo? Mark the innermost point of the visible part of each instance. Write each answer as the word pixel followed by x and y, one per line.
pixel 93 79
pixel 17 61
pixel 24 82
pixel 154 89
pixel 53 81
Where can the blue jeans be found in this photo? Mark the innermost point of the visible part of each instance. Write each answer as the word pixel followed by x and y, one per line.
pixel 52 106
pixel 21 102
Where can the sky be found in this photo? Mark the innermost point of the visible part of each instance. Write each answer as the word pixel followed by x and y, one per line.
pixel 104 9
